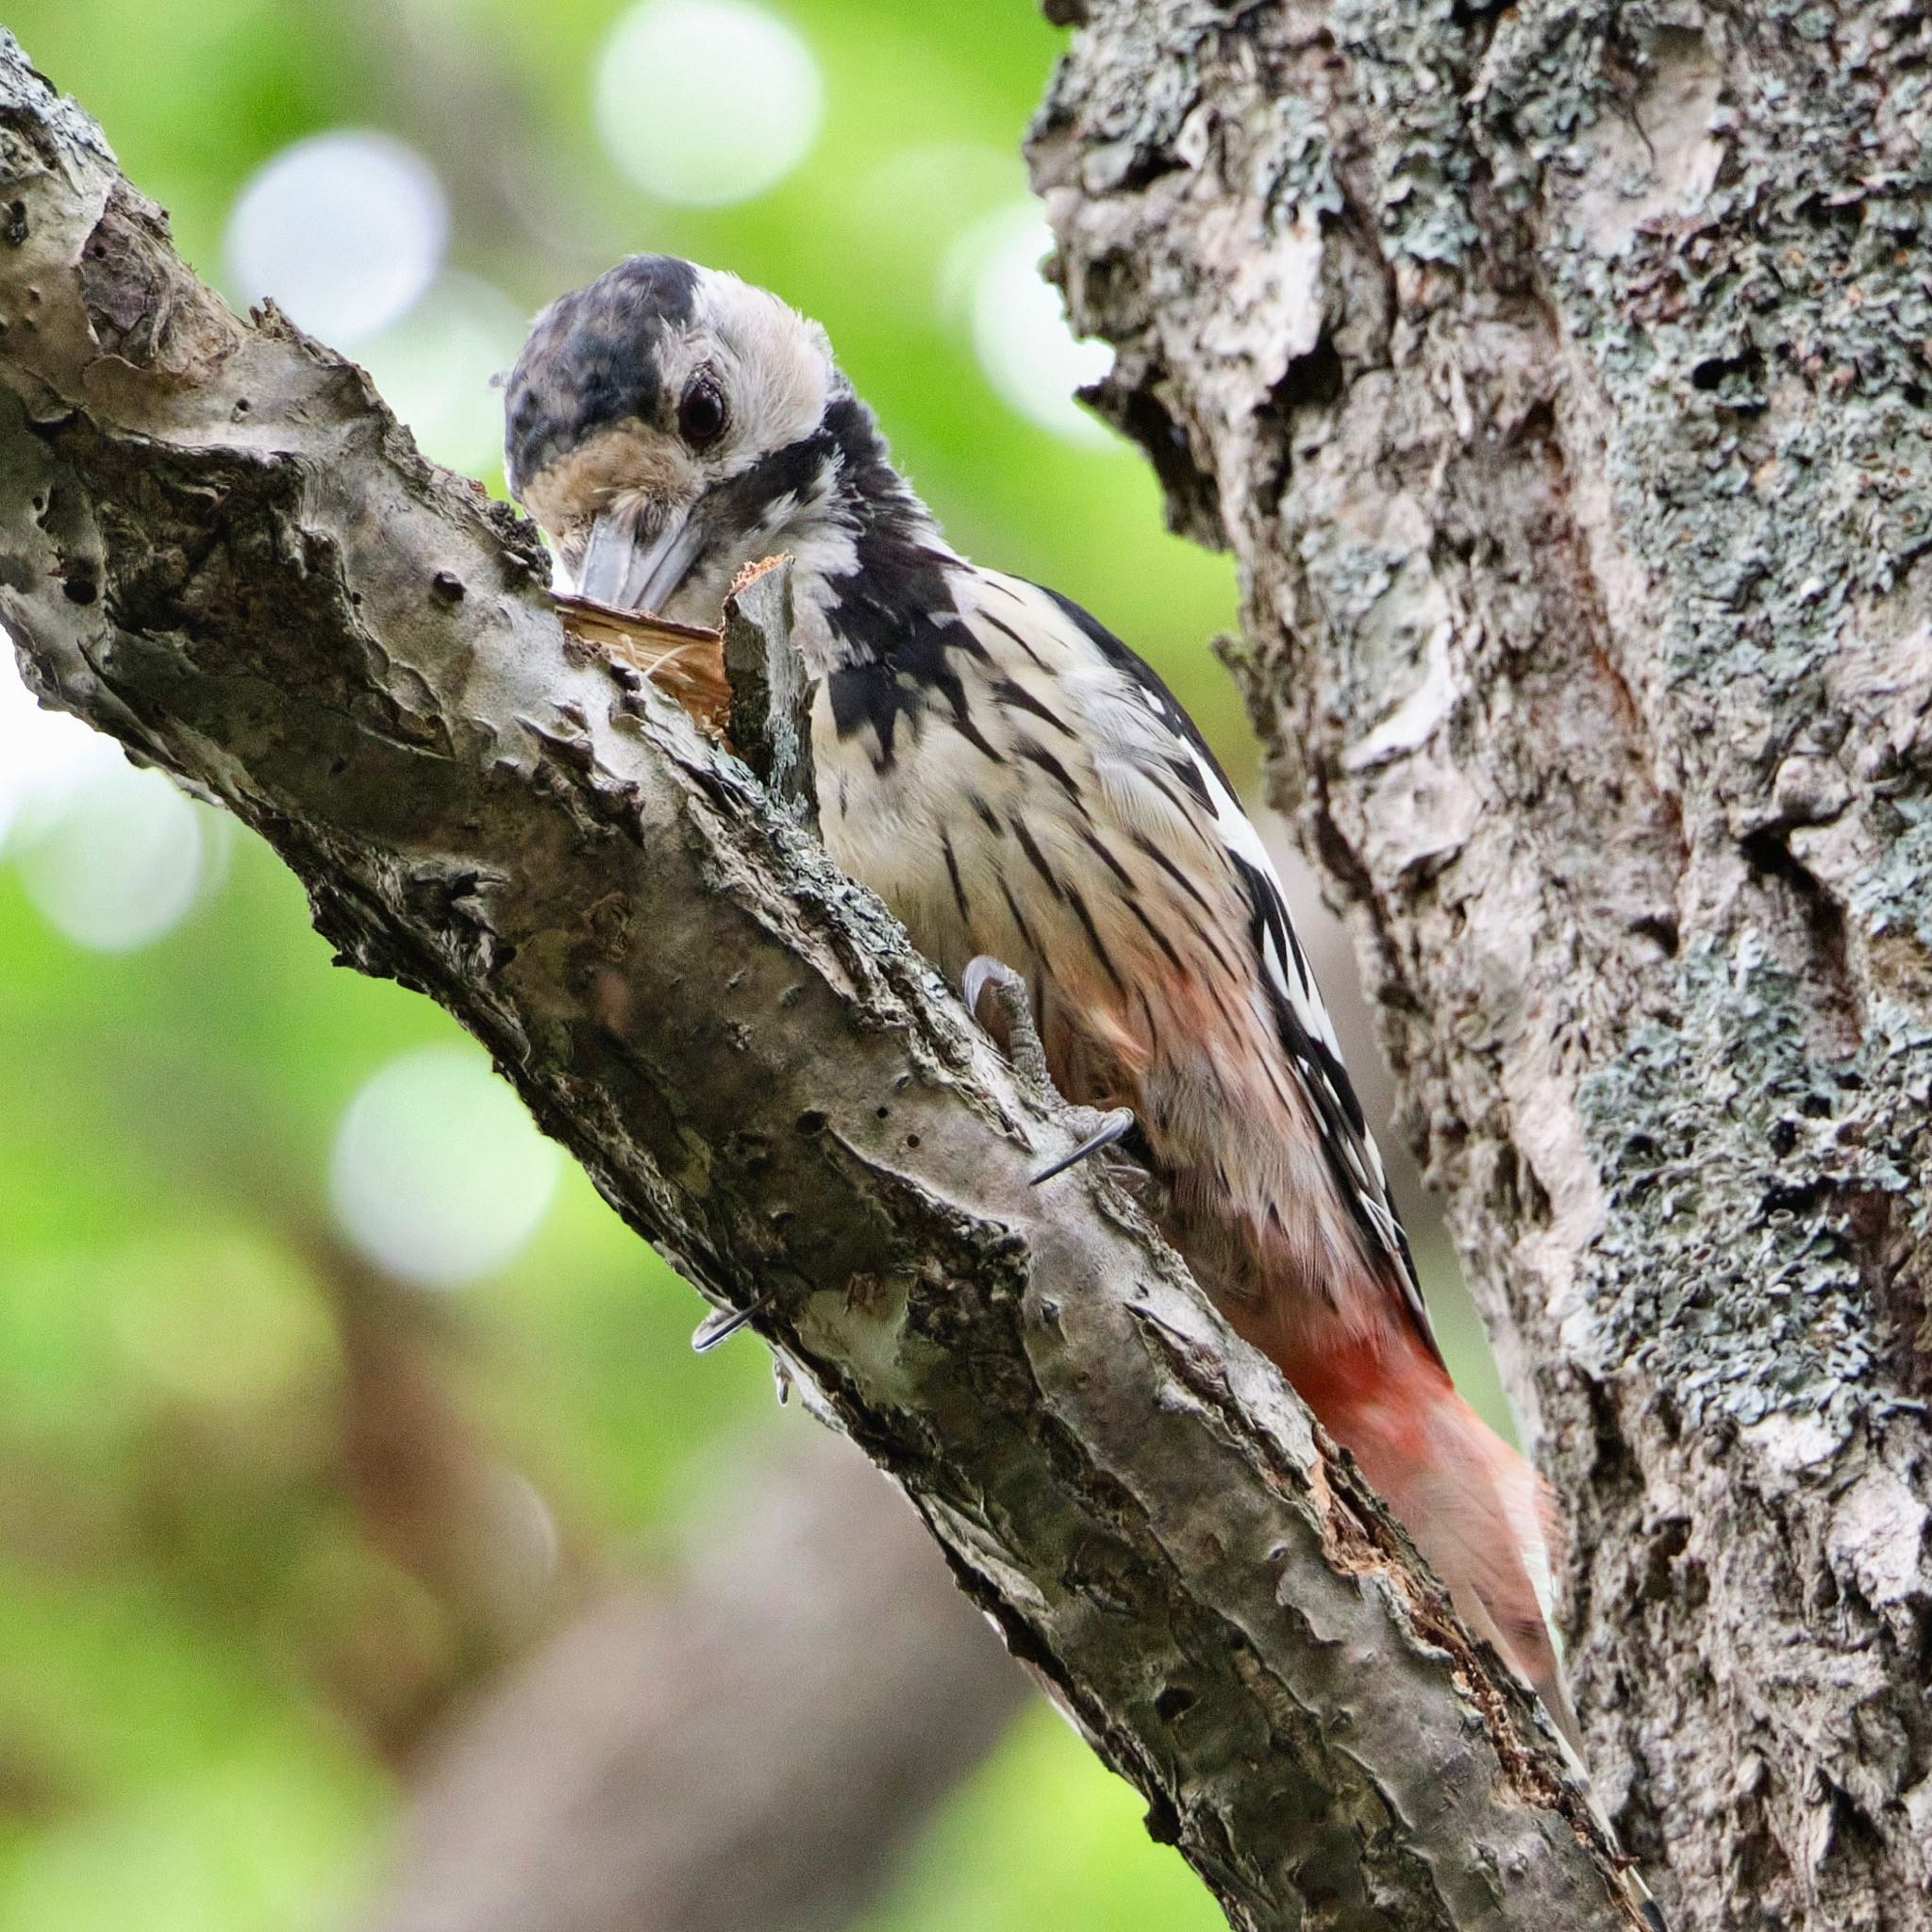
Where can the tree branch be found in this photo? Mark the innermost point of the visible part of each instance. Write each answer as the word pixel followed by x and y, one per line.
pixel 218 545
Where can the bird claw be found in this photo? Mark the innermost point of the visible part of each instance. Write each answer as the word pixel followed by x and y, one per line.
pixel 1115 1124
pixel 720 1324
pixel 983 970
pixel 1014 999
pixel 1028 1054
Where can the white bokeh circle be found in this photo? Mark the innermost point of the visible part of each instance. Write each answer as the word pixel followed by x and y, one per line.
pixel 44 756
pixel 1029 355
pixel 437 1175
pixel 123 861
pixel 704 103
pixel 345 231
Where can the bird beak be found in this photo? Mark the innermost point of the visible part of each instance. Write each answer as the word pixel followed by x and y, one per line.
pixel 632 570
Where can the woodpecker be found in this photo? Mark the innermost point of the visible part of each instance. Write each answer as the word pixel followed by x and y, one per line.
pixel 1019 787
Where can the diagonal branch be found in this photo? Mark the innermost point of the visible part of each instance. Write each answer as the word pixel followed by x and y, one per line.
pixel 217 545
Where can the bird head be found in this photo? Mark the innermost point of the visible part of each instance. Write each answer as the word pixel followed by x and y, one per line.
pixel 667 424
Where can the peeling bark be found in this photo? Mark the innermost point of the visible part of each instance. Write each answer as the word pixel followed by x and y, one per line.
pixel 216 544
pixel 1559 377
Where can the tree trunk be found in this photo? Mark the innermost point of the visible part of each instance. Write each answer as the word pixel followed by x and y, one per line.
pixel 215 542
pixel 1559 376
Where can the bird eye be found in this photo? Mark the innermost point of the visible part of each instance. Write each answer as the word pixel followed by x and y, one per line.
pixel 701 414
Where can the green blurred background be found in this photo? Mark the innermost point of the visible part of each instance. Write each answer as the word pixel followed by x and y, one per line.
pixel 272 1247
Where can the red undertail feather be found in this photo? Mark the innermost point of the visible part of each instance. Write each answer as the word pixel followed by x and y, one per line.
pixel 1473 1505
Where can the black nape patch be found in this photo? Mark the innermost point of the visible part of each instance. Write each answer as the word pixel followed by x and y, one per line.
pixel 591 359
pixel 894 611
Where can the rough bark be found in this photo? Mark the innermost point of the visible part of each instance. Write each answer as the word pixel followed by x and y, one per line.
pixel 1559 376
pixel 743 1745
pixel 216 544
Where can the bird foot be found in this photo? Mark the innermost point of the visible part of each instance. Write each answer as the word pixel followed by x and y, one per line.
pixel 984 974
pixel 1097 1131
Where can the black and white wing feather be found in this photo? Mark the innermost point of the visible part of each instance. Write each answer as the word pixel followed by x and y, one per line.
pixel 1306 1032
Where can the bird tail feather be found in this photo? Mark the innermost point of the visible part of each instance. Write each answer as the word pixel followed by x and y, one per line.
pixel 1476 1511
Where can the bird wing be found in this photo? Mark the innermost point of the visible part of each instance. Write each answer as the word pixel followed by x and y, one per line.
pixel 1301 1024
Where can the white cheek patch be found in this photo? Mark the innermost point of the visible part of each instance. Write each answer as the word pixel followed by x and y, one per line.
pixel 827 550
pixel 778 366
